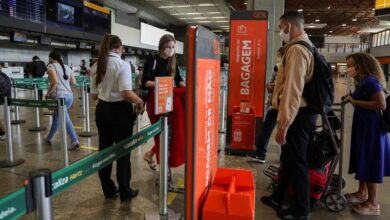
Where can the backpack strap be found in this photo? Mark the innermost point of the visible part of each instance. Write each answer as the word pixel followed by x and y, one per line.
pixel 307 45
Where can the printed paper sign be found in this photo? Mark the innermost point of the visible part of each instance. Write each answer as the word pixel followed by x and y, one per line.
pixel 163 92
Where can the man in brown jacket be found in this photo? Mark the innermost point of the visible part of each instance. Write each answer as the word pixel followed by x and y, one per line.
pixel 294 121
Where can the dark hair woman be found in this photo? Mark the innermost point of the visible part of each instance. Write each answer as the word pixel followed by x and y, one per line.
pixel 370 146
pixel 162 64
pixel 111 84
pixel 61 77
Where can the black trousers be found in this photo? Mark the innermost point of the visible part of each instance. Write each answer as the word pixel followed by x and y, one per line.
pixel 114 122
pixel 294 168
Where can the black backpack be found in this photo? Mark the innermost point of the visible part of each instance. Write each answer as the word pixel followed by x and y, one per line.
pixel 5 85
pixel 385 116
pixel 319 91
pixel 320 150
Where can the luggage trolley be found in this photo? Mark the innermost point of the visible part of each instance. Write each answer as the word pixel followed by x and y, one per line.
pixel 330 193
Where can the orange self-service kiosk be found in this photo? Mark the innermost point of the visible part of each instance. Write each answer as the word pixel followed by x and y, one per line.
pixel 247 72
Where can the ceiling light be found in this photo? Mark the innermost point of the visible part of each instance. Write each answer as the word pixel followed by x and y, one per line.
pixel 218 17
pixel 204 21
pixel 344 25
pixel 206 5
pixel 317 20
pixel 373 9
pixel 245 3
pixel 329 35
pixel 221 21
pixel 330 31
pixel 355 19
pixel 185 18
pixel 225 26
pixel 178 14
pixel 311 26
pixel 213 12
pixel 192 13
pixel 175 6
pixel 300 10
pixel 329 7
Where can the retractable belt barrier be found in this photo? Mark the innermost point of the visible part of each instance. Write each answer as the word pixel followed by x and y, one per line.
pixel 24 199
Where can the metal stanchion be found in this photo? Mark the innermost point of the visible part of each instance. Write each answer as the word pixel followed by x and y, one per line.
pixel 222 129
pixel 17 120
pixel 41 183
pixel 10 161
pixel 64 145
pixel 83 94
pixel 163 212
pixel 87 132
pixel 138 126
pixel 37 117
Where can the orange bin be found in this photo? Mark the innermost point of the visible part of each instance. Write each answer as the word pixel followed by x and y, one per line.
pixel 243 129
pixel 231 197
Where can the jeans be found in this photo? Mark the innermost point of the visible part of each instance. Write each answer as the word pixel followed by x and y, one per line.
pixel 268 126
pixel 69 125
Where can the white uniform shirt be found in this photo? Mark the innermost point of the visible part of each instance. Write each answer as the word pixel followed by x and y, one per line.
pixel 117 79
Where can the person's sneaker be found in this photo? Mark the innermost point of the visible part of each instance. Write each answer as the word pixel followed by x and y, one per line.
pixel 48 141
pixel 288 214
pixel 134 193
pixel 270 201
pixel 2 137
pixel 256 158
pixel 74 146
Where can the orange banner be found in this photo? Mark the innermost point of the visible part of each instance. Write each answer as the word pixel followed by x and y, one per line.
pixel 163 91
pixel 248 60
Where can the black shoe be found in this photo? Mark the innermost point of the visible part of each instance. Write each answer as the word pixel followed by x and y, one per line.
pixel 255 158
pixel 113 196
pixel 134 193
pixel 270 201
pixel 288 214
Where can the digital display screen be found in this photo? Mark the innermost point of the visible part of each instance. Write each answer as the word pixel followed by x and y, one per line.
pixel 28 10
pixel 65 13
pixel 97 19
pixel 19 37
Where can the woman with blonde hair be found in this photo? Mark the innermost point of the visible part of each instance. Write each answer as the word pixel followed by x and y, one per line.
pixel 370 146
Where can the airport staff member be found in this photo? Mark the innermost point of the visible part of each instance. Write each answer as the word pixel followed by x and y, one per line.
pixel 111 84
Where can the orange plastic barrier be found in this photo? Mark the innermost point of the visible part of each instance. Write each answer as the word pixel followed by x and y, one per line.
pixel 231 197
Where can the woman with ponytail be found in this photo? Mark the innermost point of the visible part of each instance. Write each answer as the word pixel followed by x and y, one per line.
pixel 111 84
pixel 60 77
pixel 163 64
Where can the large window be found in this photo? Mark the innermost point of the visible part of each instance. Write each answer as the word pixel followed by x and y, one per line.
pixel 381 38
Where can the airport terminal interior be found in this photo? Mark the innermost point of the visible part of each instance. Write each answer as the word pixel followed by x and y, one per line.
pixel 226 34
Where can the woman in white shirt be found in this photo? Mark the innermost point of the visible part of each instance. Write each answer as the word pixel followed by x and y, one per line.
pixel 111 85
pixel 61 77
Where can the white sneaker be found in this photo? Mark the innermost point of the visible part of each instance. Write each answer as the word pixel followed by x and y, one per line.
pixel 2 137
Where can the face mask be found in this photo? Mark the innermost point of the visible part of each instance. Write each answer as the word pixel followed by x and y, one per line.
pixel 285 37
pixel 351 72
pixel 169 52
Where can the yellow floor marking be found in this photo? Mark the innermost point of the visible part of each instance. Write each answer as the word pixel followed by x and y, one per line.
pixel 89 148
pixel 172 196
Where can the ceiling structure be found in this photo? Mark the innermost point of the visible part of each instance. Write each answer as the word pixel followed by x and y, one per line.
pixel 214 14
pixel 337 17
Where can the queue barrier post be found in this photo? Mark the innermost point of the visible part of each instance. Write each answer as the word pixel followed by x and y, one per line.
pixel 83 98
pixel 162 212
pixel 38 126
pixel 64 144
pixel 222 129
pixel 87 132
pixel 42 192
pixel 17 119
pixel 10 161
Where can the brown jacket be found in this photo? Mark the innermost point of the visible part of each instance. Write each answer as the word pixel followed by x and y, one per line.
pixel 295 70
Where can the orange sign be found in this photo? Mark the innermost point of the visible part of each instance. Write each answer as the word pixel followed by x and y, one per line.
pixel 203 78
pixel 248 56
pixel 163 91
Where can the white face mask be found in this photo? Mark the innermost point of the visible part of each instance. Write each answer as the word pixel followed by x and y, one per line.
pixel 351 71
pixel 285 37
pixel 169 52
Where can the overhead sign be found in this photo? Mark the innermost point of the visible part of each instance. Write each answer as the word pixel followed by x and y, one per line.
pixel 163 95
pixel 203 76
pixel 248 53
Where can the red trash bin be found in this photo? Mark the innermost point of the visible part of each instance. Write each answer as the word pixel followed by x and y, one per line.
pixel 243 129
